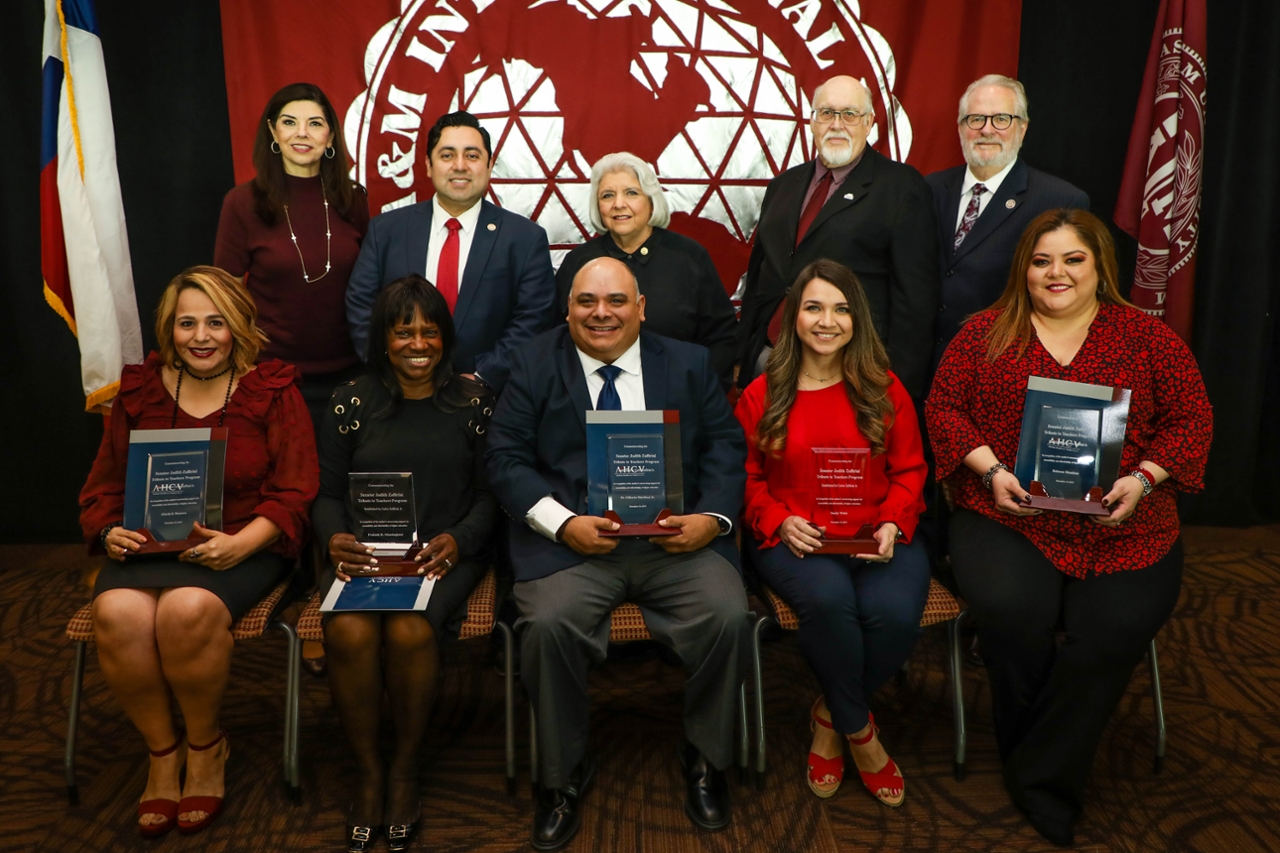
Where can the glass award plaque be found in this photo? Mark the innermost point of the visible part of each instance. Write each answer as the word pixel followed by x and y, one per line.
pixel 173 480
pixel 386 518
pixel 634 472
pixel 1070 445
pixel 379 593
pixel 837 494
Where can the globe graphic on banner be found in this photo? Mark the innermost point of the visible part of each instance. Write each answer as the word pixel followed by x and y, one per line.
pixel 715 98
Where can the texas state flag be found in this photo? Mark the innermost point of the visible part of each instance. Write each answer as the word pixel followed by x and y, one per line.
pixel 88 277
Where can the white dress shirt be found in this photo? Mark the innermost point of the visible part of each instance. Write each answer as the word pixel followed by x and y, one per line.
pixel 440 232
pixel 966 191
pixel 548 515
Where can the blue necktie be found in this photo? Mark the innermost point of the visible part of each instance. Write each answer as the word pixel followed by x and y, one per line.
pixel 609 399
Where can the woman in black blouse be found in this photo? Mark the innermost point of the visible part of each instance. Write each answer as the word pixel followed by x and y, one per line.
pixel 684 298
pixel 411 412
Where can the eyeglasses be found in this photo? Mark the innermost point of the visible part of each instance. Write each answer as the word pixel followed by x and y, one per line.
pixel 826 115
pixel 1000 121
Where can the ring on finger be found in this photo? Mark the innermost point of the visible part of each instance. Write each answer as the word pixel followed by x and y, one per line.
pixel 340 564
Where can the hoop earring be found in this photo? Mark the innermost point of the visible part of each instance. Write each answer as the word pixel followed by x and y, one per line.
pixel 275 147
pixel 329 153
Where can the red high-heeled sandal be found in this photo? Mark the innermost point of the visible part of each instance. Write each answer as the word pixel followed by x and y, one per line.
pixel 209 805
pixel 823 768
pixel 886 778
pixel 167 809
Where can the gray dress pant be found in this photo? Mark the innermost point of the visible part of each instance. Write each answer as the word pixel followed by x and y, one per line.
pixel 693 603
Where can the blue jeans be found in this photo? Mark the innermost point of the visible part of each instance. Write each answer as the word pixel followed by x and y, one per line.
pixel 859 620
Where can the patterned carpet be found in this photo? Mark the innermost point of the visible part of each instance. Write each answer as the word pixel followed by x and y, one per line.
pixel 1218 792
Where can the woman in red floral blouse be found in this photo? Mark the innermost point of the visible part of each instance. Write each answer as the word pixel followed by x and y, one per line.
pixel 827 387
pixel 162 626
pixel 1108 582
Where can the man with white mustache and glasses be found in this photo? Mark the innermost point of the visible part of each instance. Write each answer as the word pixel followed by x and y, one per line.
pixel 855 206
pixel 983 207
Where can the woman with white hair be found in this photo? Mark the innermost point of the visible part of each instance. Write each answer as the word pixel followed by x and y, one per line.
pixel 684 298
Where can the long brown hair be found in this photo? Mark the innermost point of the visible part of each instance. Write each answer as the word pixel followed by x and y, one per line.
pixel 864 363
pixel 1013 326
pixel 229 296
pixel 270 189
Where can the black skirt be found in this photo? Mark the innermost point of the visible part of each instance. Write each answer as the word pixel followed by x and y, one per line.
pixel 240 587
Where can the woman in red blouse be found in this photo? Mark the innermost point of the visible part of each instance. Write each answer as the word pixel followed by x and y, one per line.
pixel 827 386
pixel 162 626
pixel 1107 582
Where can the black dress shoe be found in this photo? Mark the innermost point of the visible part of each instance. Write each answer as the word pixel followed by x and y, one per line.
pixel 361 838
pixel 706 799
pixel 400 835
pixel 556 818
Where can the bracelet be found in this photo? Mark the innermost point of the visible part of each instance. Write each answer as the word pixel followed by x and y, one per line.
pixel 991 473
pixel 1143 477
pixel 102 537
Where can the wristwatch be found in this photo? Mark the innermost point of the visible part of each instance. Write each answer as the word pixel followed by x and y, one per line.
pixel 1141 475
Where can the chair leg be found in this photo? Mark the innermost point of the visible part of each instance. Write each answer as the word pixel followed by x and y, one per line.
pixel 292 701
pixel 759 685
pixel 1158 700
pixel 957 693
pixel 509 707
pixel 744 741
pixel 73 724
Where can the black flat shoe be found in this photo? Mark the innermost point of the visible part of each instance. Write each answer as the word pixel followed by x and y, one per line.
pixel 706 800
pixel 361 838
pixel 400 835
pixel 556 818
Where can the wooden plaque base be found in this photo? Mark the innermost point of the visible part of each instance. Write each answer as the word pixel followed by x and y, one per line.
pixel 638 530
pixel 1091 504
pixel 404 566
pixel 863 542
pixel 155 548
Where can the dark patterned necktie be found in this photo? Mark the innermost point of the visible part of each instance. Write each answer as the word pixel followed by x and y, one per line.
pixel 970 216
pixel 609 401
pixel 816 201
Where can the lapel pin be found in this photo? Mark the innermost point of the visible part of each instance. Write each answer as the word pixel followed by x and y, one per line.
pixel 1010 204
pixel 493 227
pixel 644 250
pixel 848 196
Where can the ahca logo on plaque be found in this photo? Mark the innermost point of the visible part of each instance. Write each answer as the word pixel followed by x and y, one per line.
pixel 714 94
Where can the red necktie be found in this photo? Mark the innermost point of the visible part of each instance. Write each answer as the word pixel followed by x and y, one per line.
pixel 447 269
pixel 816 201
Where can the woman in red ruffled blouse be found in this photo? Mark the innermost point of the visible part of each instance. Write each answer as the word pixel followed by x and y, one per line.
pixel 827 386
pixel 162 626
pixel 1107 582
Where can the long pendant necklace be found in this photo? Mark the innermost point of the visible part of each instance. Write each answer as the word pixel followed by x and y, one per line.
pixel 327 255
pixel 177 392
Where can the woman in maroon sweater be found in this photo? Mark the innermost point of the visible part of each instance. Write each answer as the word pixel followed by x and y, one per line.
pixel 826 388
pixel 1109 582
pixel 293 233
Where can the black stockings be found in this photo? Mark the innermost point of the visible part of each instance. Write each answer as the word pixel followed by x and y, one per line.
pixel 370 652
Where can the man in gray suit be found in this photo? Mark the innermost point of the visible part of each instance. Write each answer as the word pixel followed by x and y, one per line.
pixel 983 207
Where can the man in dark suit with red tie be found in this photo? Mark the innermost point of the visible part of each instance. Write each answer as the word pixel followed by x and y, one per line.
pixel 856 206
pixel 984 206
pixel 492 266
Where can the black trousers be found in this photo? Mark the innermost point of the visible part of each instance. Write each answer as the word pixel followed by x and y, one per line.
pixel 1051 701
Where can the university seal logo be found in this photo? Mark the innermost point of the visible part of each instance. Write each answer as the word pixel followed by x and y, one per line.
pixel 713 93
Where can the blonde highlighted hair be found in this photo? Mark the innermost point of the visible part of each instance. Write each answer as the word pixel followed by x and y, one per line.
pixel 229 296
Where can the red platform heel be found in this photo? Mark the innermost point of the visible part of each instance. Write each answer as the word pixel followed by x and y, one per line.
pixel 167 809
pixel 209 805
pixel 822 769
pixel 887 778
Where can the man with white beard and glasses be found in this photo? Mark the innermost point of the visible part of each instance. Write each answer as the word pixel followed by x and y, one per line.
pixel 855 206
pixel 983 207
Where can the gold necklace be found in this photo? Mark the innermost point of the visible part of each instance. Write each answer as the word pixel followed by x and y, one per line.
pixel 819 378
pixel 327 255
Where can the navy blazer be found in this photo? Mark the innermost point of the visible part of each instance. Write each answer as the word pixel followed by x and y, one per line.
pixel 880 224
pixel 974 276
pixel 537 440
pixel 507 294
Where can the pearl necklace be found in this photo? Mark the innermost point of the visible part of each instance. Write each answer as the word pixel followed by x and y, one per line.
pixel 327 255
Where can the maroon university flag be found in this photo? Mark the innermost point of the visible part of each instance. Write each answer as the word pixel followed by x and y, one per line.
pixel 1159 203
pixel 713 93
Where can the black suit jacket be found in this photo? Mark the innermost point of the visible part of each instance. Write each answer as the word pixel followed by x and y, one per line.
pixel 506 295
pixel 880 224
pixel 974 276
pixel 537 440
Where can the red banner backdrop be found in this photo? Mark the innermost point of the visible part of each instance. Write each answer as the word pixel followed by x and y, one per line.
pixel 714 93
pixel 1159 202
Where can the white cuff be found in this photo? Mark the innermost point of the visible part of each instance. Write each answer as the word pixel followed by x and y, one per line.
pixel 547 516
pixel 724 519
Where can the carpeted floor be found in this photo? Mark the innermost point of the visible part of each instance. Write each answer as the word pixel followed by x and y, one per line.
pixel 1217 793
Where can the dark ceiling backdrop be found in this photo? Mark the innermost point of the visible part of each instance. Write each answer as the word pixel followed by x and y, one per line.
pixel 1082 64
